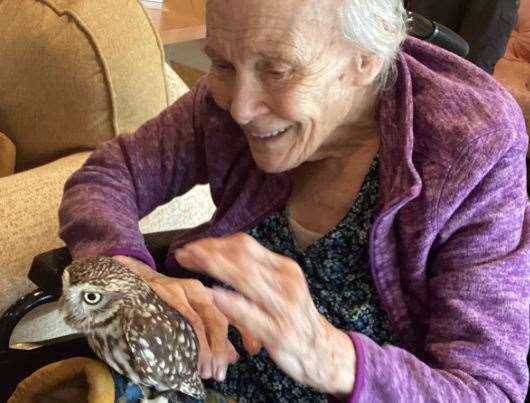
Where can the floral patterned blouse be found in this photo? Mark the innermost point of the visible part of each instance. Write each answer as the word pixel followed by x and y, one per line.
pixel 337 271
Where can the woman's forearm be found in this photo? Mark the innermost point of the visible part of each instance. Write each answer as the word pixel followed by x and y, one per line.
pixel 332 367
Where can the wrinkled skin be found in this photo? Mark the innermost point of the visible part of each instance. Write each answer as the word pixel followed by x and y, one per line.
pixel 278 64
pixel 281 64
pixel 273 302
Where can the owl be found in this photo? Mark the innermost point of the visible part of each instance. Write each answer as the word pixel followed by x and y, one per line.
pixel 130 328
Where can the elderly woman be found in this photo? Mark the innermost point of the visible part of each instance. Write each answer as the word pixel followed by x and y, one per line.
pixel 371 231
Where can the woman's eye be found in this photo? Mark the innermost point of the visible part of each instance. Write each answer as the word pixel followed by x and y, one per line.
pixel 92 298
pixel 279 74
pixel 222 66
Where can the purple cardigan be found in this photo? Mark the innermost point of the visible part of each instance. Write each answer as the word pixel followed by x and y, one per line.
pixel 449 246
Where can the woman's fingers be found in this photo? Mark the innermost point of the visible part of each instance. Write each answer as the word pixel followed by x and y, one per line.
pixel 237 261
pixel 244 314
pixel 217 331
pixel 175 297
pixel 201 299
pixel 195 303
pixel 216 325
pixel 206 259
pixel 252 345
pixel 213 324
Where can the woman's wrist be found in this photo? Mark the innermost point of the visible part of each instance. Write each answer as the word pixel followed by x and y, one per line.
pixel 335 363
pixel 343 360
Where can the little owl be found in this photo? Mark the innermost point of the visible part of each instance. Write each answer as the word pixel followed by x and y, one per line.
pixel 130 328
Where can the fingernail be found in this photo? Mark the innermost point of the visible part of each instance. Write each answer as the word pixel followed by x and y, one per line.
pixel 220 295
pixel 219 291
pixel 206 371
pixel 220 374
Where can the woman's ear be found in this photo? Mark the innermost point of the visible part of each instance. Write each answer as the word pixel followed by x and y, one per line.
pixel 366 69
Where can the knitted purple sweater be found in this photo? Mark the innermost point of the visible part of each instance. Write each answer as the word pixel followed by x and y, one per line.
pixel 449 246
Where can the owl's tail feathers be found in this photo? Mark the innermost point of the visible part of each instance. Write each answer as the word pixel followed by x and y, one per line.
pixel 193 386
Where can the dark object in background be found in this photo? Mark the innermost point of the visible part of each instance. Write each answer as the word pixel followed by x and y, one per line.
pixel 485 24
pixel 435 33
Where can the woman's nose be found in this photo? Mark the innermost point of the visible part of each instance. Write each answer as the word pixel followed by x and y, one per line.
pixel 248 101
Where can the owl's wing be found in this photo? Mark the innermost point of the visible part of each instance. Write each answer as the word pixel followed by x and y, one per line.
pixel 164 348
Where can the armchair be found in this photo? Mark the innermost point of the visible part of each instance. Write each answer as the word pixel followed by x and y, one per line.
pixel 84 73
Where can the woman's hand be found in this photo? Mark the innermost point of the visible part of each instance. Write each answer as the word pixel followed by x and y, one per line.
pixel 274 304
pixel 195 303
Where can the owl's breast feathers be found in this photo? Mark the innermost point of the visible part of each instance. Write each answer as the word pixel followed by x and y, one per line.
pixel 164 347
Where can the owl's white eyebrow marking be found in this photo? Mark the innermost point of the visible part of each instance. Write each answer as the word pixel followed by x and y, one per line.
pixel 66 278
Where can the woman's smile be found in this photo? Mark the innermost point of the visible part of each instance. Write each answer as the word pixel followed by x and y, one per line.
pixel 271 134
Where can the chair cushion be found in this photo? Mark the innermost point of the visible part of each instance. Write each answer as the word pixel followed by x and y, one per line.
pixel 519 44
pixel 29 202
pixel 7 156
pixel 75 73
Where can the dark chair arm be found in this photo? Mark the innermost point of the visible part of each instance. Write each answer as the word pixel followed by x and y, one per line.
pixel 16 312
pixel 47 268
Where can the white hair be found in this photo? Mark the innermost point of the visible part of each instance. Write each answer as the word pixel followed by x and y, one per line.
pixel 376 27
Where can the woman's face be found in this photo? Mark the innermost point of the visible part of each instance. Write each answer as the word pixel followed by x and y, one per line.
pixel 285 73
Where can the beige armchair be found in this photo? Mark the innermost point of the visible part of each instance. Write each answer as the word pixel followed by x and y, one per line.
pixel 84 73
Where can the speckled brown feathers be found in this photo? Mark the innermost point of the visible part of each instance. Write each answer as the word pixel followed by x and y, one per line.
pixel 129 327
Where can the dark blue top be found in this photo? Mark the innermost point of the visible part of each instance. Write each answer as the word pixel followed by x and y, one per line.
pixel 337 271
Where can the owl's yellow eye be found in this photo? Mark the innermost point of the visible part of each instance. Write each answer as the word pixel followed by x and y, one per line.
pixel 92 298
